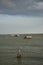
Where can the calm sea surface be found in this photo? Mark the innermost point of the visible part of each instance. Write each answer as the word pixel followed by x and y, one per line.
pixel 31 49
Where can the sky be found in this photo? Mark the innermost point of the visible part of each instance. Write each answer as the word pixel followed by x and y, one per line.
pixel 21 16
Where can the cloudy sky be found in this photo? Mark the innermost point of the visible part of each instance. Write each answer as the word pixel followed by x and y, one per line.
pixel 21 16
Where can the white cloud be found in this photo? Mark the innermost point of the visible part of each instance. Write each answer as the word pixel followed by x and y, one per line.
pixel 39 5
pixel 36 5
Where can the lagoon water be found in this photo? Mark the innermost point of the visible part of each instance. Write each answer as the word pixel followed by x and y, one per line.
pixel 31 49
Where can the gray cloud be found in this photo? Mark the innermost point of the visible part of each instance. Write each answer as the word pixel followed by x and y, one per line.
pixel 22 7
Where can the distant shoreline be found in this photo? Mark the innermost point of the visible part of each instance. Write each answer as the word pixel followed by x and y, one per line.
pixel 24 34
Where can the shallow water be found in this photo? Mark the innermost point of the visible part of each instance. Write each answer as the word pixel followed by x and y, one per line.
pixel 32 50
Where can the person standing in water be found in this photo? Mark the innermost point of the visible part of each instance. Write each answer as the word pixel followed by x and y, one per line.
pixel 19 54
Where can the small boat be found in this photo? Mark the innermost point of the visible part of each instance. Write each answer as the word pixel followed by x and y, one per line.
pixel 28 37
pixel 19 54
pixel 17 35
